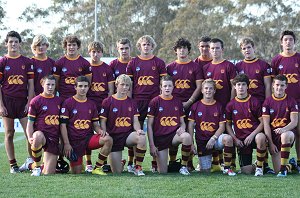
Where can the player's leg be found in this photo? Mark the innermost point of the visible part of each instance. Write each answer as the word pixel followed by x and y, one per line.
pixel 88 159
pixel 23 122
pixel 115 161
pixel 39 141
pixel 50 161
pixel 162 161
pixel 130 164
pixel 297 145
pixel 261 149
pixel 287 140
pixel 225 141
pixel 9 143
pixel 76 167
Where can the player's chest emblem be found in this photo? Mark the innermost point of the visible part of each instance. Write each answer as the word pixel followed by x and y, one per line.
pixel 137 69
pixel 44 108
pixel 160 109
pixel 280 67
pixel 235 112
pixel 74 111
pixel 23 66
pixel 7 68
pixel 39 70
pixel 208 74
pixel 216 114
pixel 153 68
pixel 80 69
pixel 104 74
pixel 257 71
pixel 176 108
pixel 115 110
pixel 199 114
pixel 129 109
pixel 64 69
pixel 117 72
pixel 271 111
pixel 54 69
pixel 190 71
pixel 174 72
pixel 296 65
pixel 222 71
pixel 287 109
pixel 90 111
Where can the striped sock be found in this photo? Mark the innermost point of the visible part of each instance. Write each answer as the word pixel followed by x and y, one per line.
pixel 285 153
pixel 221 159
pixel 101 159
pixel 215 158
pixel 173 153
pixel 228 156
pixel 185 154
pixel 37 155
pixel 130 155
pixel 13 162
pixel 260 157
pixel 88 156
pixel 140 154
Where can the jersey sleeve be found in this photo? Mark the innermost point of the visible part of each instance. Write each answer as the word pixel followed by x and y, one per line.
pixel 110 75
pixel 29 66
pixel 104 109
pixel 32 111
pixel 192 112
pixel 64 112
pixel 152 108
pixel 129 68
pixel 231 70
pixel 57 67
pixel 293 106
pixel 87 69
pixel 228 112
pixel 266 108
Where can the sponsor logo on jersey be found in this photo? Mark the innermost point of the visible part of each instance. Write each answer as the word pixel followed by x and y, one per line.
pixel 117 72
pixel 70 80
pixel 97 86
pixel 257 71
pixel 160 109
pixel 278 122
pixel 182 84
pixel 190 71
pixel 153 68
pixel 104 74
pixel 218 84
pixel 149 109
pixel 268 71
pixel 64 69
pixel 280 67
pixel 207 126
pixel 54 69
pixel 52 120
pixel 15 80
pixel 216 114
pixel 271 111
pixel 129 109
pixel 252 84
pixel 174 72
pixel 264 109
pixel 292 78
pixel 296 65
pixel 168 121
pixel 102 110
pixel 82 124
pixel 222 71
pixel 208 74
pixel 123 122
pixel 145 80
pixel 244 124
pixel 63 110
pixel 176 108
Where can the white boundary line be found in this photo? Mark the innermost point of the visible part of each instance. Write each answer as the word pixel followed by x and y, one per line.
pixel 15 140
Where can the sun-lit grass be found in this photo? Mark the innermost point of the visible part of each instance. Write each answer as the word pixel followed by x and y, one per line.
pixel 128 185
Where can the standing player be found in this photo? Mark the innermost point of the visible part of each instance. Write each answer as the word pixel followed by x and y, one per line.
pixel 145 71
pixel 70 66
pixel 42 64
pixel 79 120
pixel 203 47
pixel 208 119
pixel 188 77
pixel 245 126
pixel 119 65
pixel 119 117
pixel 280 117
pixel 16 92
pixel 288 63
pixel 43 127
pixel 166 127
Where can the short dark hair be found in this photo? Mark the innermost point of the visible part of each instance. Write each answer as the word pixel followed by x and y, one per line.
pixel 13 34
pixel 82 79
pixel 48 77
pixel 123 41
pixel 281 77
pixel 71 39
pixel 241 78
pixel 246 41
pixel 216 40
pixel 182 42
pixel 204 39
pixel 288 32
pixel 166 78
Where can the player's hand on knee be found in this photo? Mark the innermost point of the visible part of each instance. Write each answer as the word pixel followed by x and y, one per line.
pixel 180 131
pixel 30 140
pixel 3 111
pixel 248 140
pixel 153 151
pixel 210 144
pixel 238 143
pixel 279 131
pixel 273 149
pixel 102 133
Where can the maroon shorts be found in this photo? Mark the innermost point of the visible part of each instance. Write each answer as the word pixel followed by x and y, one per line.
pixel 15 106
pixel 143 109
pixel 119 141
pixel 163 142
pixel 277 141
pixel 52 145
pixel 92 143
pixel 247 150
pixel 201 148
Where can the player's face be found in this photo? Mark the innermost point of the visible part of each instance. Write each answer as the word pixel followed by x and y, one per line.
pixel 216 50
pixel 182 52
pixel 287 43
pixel 248 51
pixel 49 87
pixel 167 88
pixel 72 49
pixel 41 48
pixel 124 50
pixel 123 88
pixel 204 48
pixel 241 89
pixel 13 44
pixel 279 88
pixel 208 91
pixel 82 88
pixel 95 55
pixel 146 48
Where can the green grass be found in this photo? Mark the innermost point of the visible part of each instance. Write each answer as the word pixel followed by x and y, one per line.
pixel 128 185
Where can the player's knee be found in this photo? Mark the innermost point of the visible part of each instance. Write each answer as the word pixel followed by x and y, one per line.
pixel 287 137
pixel 9 134
pixel 260 138
pixel 108 140
pixel 142 139
pixel 186 137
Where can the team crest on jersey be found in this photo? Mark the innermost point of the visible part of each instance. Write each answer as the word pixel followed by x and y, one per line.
pixel 7 67
pixel 115 110
pixel 129 109
pixel 257 71
pixel 90 111
pixel 64 69
pixel 216 114
pixel 44 108
pixel 296 65
pixel 23 66
pixel 242 72
pixel 149 109
pixel 190 71
pixel 235 112
pixel 102 110
pixel 208 74
pixel 54 69
pixel 264 109
pixel 249 110
pixel 176 108
pixel 280 67
pixel 104 74
pixel 74 111
pixel 80 69
pixel 117 72
pixel 174 72
pixel 222 71
pixel 271 111
pixel 63 110
pixel 286 109
pixel 160 109
pixel 39 70
pixel 199 114
pixel 58 106
pixel 137 69
pixel 153 68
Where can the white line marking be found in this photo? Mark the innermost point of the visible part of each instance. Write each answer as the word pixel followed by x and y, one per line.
pixel 15 140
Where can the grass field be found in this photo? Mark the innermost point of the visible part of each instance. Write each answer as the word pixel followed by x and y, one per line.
pixel 128 185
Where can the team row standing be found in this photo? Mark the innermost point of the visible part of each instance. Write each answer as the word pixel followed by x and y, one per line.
pixel 146 78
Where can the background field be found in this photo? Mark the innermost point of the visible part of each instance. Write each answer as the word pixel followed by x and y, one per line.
pixel 128 185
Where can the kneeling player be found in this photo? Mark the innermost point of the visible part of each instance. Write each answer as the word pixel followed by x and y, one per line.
pixel 43 127
pixel 243 113
pixel 166 127
pixel 119 117
pixel 280 116
pixel 78 120
pixel 207 118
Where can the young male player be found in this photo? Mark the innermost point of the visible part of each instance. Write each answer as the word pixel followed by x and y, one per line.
pixel 119 117
pixel 280 119
pixel 42 64
pixel 244 124
pixel 287 63
pixel 166 127
pixel 43 127
pixel 208 119
pixel 16 92
pixel 79 119
pixel 70 66
pixel 205 56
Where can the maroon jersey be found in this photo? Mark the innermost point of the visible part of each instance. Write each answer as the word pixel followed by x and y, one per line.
pixel 146 74
pixel 244 114
pixel 279 110
pixel 102 76
pixel 201 62
pixel 14 75
pixel 119 114
pixel 41 68
pixel 68 70
pixel 118 67
pixel 290 67
pixel 80 116
pixel 185 75
pixel 257 70
pixel 44 112
pixel 166 114
pixel 221 73
pixel 207 118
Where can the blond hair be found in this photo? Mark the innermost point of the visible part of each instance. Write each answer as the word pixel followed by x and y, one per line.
pixel 123 78
pixel 95 45
pixel 39 40
pixel 209 81
pixel 148 39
